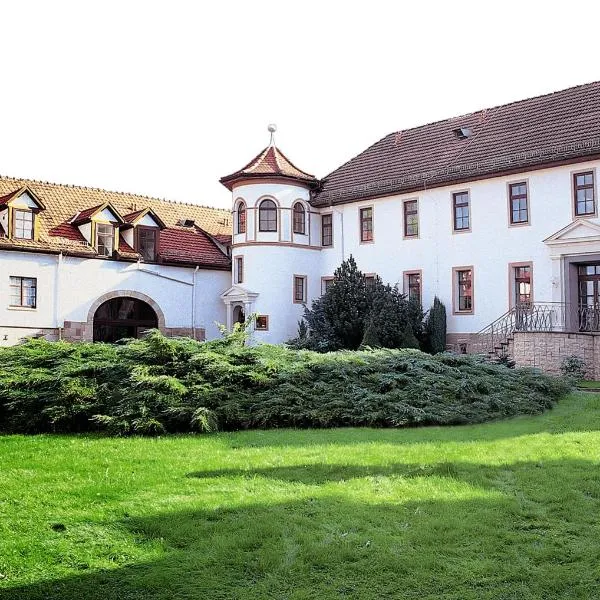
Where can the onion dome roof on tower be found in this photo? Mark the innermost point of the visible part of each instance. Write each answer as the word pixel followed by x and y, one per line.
pixel 270 162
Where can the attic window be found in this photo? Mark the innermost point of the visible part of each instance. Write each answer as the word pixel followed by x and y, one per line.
pixel 186 222
pixel 462 133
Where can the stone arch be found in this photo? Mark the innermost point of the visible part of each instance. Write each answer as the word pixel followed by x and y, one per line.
pixel 89 329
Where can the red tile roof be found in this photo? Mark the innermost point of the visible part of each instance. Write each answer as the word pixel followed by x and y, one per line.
pixel 270 162
pixel 4 200
pixel 521 135
pixel 65 203
pixel 191 246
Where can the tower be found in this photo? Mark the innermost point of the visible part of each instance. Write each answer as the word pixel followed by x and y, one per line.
pixel 275 244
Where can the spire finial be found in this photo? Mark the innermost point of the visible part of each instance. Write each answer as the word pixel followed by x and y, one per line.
pixel 272 129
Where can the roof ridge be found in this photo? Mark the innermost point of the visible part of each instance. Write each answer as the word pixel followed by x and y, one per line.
pixel 97 189
pixel 489 108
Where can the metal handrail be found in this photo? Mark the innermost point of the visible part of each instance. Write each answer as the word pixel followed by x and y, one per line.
pixel 538 316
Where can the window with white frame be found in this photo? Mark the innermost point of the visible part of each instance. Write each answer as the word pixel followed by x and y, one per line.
pixel 23 292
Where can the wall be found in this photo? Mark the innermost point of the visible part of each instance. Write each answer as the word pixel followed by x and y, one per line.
pixel 546 351
pixel 489 247
pixel 66 293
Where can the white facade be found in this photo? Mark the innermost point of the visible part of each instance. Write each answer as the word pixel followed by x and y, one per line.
pixel 69 290
pixel 490 247
pixel 553 242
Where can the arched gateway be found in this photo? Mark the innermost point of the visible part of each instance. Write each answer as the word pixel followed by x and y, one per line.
pixel 123 317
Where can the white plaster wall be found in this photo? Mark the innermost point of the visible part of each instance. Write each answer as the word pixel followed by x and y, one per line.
pixel 490 245
pixel 285 196
pixel 83 281
pixel 270 270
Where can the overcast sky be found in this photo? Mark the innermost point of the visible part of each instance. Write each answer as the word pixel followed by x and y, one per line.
pixel 163 98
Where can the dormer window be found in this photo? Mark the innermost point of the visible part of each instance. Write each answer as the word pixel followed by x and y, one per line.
pixel 105 239
pixel 23 224
pixel 146 242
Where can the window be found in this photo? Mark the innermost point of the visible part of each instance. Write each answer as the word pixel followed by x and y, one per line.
pixel 327 230
pixel 462 220
pixel 238 271
pixel 23 292
pixel 262 323
pixel 366 224
pixel 370 280
pixel 411 218
pixel 146 237
pixel 583 185
pixel 522 286
pixel 241 218
pixel 299 289
pixel 326 283
pixel 267 216
pixel 105 239
pixel 23 227
pixel 412 285
pixel 519 211
pixel 299 218
pixel 464 290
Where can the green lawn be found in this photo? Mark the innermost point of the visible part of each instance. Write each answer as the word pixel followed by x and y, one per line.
pixel 502 510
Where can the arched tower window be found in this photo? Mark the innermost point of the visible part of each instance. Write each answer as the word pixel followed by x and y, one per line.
pixel 267 216
pixel 241 217
pixel 299 218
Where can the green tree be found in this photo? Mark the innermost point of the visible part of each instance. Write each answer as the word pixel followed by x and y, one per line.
pixel 354 313
pixel 338 317
pixel 435 327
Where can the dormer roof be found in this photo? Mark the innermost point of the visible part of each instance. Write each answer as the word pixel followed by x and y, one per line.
pixel 138 215
pixel 270 162
pixel 88 214
pixel 16 194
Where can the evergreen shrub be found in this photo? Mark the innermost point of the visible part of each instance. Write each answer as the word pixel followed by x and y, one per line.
pixel 160 384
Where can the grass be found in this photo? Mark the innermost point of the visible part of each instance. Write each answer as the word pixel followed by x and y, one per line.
pixel 587 384
pixel 502 510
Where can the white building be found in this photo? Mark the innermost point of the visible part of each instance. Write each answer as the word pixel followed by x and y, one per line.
pixel 83 264
pixel 495 212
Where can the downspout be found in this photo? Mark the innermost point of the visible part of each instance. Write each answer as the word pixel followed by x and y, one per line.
pixel 194 302
pixel 57 307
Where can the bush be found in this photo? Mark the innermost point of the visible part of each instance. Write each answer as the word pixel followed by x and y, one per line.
pixel 435 327
pixel 573 366
pixel 355 313
pixel 160 385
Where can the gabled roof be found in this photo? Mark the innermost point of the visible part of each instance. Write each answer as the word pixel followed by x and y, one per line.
pixel 86 215
pixel 56 232
pixel 581 230
pixel 8 198
pixel 522 135
pixel 134 217
pixel 270 162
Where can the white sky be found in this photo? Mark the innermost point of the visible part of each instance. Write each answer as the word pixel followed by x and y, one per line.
pixel 163 98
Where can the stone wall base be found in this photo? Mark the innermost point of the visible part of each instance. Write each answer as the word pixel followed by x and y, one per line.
pixel 184 332
pixel 9 336
pixel 77 331
pixel 459 342
pixel 546 351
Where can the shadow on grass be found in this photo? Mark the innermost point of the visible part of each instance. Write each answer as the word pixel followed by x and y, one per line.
pixel 560 419
pixel 530 532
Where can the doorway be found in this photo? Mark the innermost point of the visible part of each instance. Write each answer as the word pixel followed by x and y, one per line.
pixel 124 317
pixel 589 297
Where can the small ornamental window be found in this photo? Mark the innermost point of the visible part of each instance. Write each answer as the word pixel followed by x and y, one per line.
pixel 262 323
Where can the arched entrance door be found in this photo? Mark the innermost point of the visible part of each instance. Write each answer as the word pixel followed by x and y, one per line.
pixel 123 317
